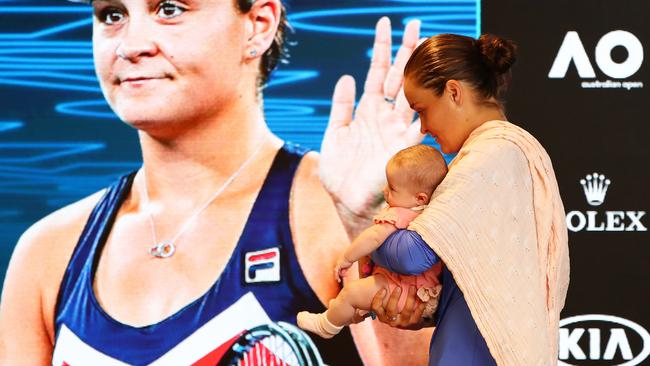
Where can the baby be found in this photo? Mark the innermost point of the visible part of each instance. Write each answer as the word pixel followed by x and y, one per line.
pixel 412 175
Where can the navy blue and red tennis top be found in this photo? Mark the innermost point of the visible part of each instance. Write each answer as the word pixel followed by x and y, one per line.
pixel 263 266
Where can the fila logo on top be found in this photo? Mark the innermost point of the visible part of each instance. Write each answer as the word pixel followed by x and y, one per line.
pixel 595 189
pixel 597 339
pixel 572 50
pixel 262 266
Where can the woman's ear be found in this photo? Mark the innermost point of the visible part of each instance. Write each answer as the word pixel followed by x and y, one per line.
pixel 262 22
pixel 454 91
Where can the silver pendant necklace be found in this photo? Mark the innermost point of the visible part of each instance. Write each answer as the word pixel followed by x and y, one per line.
pixel 167 248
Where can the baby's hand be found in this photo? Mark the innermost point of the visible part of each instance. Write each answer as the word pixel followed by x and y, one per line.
pixel 341 268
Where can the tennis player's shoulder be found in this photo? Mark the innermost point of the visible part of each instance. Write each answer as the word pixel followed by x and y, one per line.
pixel 307 172
pixel 46 247
pixel 55 231
pixel 35 273
pixel 492 153
pixel 308 193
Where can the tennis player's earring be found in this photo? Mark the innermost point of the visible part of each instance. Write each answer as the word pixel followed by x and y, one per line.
pixel 317 324
pixel 252 53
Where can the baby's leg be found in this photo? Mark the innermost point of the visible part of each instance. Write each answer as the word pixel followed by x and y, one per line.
pixel 355 295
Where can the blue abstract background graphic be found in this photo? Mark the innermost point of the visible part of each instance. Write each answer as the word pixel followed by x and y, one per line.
pixel 59 140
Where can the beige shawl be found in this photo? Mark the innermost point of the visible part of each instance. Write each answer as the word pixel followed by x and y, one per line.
pixel 498 223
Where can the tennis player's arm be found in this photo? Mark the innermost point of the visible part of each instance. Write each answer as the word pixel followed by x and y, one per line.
pixel 24 338
pixel 32 283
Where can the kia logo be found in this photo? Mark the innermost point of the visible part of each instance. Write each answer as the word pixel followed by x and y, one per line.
pixel 603 340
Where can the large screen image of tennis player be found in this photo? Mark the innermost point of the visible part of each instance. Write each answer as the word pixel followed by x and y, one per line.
pixel 113 106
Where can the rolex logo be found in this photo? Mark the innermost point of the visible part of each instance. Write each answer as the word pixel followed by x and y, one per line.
pixel 595 187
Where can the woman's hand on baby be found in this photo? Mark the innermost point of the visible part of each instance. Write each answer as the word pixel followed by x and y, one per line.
pixel 341 268
pixel 358 143
pixel 411 315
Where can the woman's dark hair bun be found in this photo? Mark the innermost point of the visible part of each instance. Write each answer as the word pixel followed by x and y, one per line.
pixel 499 54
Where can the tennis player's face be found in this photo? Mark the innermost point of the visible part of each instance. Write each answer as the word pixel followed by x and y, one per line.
pixel 168 60
pixel 436 117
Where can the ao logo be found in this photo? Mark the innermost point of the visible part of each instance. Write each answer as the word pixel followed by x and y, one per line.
pixel 613 332
pixel 573 50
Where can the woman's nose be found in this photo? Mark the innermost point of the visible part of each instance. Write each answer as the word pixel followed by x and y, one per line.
pixel 134 51
pixel 137 41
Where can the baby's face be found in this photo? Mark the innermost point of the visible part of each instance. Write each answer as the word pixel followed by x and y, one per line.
pixel 399 192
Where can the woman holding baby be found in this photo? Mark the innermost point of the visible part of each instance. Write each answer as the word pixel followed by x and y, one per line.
pixel 496 221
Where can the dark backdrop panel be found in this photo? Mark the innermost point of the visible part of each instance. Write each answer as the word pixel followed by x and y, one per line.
pixel 589 130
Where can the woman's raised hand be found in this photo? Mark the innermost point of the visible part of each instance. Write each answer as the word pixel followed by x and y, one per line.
pixel 359 142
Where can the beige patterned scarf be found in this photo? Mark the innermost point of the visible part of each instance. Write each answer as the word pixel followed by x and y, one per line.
pixel 498 223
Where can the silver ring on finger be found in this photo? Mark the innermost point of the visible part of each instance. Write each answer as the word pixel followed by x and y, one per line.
pixel 389 100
